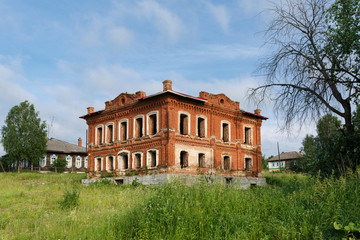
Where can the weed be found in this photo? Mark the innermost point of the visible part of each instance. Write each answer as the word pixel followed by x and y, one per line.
pixel 70 200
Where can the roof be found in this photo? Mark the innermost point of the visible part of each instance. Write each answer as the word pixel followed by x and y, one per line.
pixel 55 145
pixel 286 156
pixel 254 115
pixel 176 93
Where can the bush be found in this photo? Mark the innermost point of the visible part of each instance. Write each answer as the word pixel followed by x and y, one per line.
pixel 59 164
pixel 70 200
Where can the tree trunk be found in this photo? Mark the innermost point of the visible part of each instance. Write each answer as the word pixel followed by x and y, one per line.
pixel 32 167
pixel 2 166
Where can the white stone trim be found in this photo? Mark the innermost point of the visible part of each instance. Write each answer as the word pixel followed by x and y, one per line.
pixel 222 130
pixel 205 118
pixel 108 162
pixel 127 128
pixel 252 161
pixel 119 159
pixel 96 167
pixel 143 124
pixel 106 131
pixel 134 159
pixel 251 133
pixel 223 155
pixel 189 120
pixel 102 133
pixel 147 121
pixel 148 163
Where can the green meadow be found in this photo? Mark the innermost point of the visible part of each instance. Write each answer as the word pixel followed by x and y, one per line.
pixel 292 206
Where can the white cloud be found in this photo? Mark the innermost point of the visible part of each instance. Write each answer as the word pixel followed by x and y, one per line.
pixel 220 14
pixel 165 21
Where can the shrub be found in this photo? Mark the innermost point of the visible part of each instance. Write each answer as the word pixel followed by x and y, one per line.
pixel 59 164
pixel 70 200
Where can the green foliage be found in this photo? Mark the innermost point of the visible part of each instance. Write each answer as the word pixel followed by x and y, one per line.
pixel 105 174
pixel 24 136
pixel 351 230
pixel 59 164
pixel 70 200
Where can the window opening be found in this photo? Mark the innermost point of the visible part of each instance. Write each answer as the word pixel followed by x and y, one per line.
pixel 201 160
pixel 152 124
pixel 184 123
pixel 248 164
pixel 138 128
pixel 111 163
pixel 138 160
pixel 123 131
pixel 153 160
pixel 99 135
pixel 201 127
pixel 110 132
pixel 78 162
pixel 183 159
pixel 225 128
pixel 226 163
pixel 99 164
pixel 247 135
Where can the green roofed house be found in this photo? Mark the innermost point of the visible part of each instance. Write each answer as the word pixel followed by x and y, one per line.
pixel 286 159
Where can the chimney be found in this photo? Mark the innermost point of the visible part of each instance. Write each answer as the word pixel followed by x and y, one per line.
pixel 140 94
pixel 257 111
pixel 80 142
pixel 167 85
pixel 90 110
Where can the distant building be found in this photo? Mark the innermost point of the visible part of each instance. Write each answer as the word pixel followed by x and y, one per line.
pixel 172 132
pixel 286 159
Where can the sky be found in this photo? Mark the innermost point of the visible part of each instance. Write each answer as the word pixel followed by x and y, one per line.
pixel 64 56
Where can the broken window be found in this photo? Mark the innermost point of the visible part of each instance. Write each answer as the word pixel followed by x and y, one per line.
pixel 226 132
pixel 184 159
pixel 138 127
pixel 152 124
pixel 152 161
pixel 137 160
pixel 98 163
pixel 110 133
pixel 226 163
pixel 201 160
pixel 123 131
pixel 248 164
pixel 201 127
pixel 184 124
pixel 124 161
pixel 110 163
pixel 99 133
pixel 247 135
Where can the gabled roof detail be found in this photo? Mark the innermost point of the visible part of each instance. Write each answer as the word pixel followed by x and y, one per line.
pixel 220 100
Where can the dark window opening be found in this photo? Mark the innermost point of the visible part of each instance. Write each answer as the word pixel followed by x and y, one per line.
pixel 138 160
pixel 226 163
pixel 184 124
pixel 248 164
pixel 228 180
pixel 247 135
pixel 99 135
pixel 152 124
pixel 111 163
pixel 98 164
pixel 201 160
pixel 123 131
pixel 226 132
pixel 138 128
pixel 110 132
pixel 124 158
pixel 201 127
pixel 153 160
pixel 183 159
pixel 119 181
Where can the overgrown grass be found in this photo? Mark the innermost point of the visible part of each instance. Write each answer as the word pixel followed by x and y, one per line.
pixel 293 207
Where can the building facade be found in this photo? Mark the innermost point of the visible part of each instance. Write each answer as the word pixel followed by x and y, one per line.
pixel 284 160
pixel 171 132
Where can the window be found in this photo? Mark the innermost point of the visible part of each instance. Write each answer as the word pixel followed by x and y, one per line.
pixel 110 133
pixel 273 164
pixel 68 161
pixel 78 162
pixel 137 160
pixel 139 126
pixel 85 162
pixel 152 158
pixel 225 131
pixel 152 123
pixel 226 163
pixel 248 164
pixel 247 135
pixel 184 123
pixel 110 163
pixel 123 158
pixel 201 127
pixel 98 164
pixel 282 164
pixel 123 130
pixel 43 161
pixel 201 160
pixel 52 158
pixel 184 159
pixel 99 135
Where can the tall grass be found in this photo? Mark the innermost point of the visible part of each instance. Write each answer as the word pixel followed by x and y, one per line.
pixel 292 207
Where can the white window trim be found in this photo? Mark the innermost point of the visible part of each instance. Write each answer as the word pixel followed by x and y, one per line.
pixel 119 159
pixel 147 121
pixel 222 129
pixel 189 120
pixel 251 134
pixel 76 161
pixel 43 161
pixel 86 162
pixel 67 162
pixel 108 162
pixel 205 118
pixel 102 133
pixel 134 159
pixel 96 165
pixel 148 163
pixel 52 158
pixel 222 160
pixel 143 124
pixel 106 131
pixel 252 162
pixel 127 128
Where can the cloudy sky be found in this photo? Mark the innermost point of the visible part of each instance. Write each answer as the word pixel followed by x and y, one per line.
pixel 66 55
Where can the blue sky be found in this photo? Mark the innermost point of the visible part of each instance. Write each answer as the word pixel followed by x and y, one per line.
pixel 64 56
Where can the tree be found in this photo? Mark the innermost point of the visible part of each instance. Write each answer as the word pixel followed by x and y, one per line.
pixel 314 67
pixel 59 163
pixel 24 136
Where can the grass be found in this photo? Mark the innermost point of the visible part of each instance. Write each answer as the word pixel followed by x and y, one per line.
pixel 293 206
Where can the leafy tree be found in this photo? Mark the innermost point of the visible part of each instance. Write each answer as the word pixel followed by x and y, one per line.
pixel 24 136
pixel 314 67
pixel 59 163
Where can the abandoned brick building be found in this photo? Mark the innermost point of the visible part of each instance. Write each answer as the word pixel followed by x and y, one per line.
pixel 171 132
